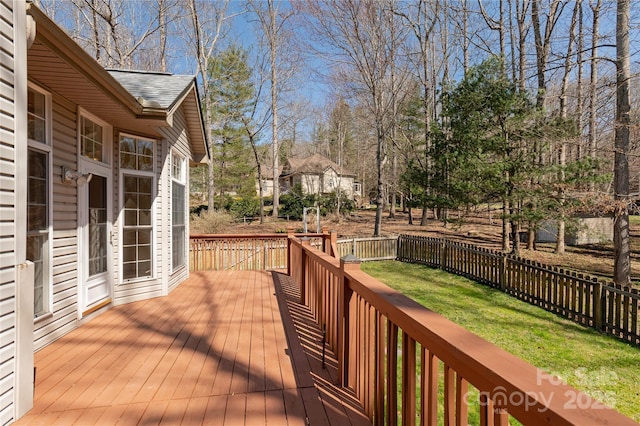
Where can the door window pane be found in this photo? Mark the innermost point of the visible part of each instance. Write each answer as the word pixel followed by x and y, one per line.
pixel 97 225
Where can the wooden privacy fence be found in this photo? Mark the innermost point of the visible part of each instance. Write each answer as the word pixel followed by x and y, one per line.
pixel 365 249
pixel 587 300
pixel 398 356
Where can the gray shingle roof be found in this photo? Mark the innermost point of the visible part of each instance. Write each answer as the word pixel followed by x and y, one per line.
pixel 161 89
pixel 314 164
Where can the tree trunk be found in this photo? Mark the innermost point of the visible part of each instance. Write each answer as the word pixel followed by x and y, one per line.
pixel 274 107
pixel 622 265
pixel 593 84
pixel 562 154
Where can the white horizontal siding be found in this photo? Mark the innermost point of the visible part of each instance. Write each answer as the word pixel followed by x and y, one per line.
pixel 178 138
pixel 64 317
pixel 8 211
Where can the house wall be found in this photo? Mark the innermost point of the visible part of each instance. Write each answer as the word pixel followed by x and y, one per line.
pixel 310 183
pixel 8 209
pixel 16 277
pixel 179 134
pixel 331 181
pixel 64 317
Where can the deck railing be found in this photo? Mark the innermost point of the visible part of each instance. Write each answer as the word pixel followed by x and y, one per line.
pixel 371 248
pixel 219 252
pixel 398 356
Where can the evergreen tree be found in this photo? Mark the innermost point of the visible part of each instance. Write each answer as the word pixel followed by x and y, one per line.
pixel 232 96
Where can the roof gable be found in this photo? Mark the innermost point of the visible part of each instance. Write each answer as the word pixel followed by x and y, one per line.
pixel 315 164
pixel 162 90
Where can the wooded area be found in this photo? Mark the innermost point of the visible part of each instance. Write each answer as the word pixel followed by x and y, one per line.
pixel 438 104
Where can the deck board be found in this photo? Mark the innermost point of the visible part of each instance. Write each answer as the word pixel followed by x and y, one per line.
pixel 227 348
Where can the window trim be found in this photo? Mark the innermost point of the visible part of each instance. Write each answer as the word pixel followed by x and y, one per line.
pixel 154 142
pixel 107 139
pixel 138 173
pixel 46 148
pixel 181 180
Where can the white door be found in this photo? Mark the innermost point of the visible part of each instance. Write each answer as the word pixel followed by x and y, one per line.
pixel 95 219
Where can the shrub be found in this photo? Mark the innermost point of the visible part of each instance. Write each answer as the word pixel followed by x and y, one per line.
pixel 245 207
pixel 294 202
pixel 213 222
pixel 329 202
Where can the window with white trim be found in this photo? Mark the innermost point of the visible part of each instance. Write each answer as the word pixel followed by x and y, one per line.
pixel 95 139
pixel 136 162
pixel 178 211
pixel 39 197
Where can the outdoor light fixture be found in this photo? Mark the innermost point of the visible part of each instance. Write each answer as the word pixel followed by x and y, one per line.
pixel 69 175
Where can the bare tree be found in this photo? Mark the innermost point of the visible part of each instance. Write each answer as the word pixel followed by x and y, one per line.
pixel 272 21
pixel 593 81
pixel 622 263
pixel 357 32
pixel 421 17
pixel 562 150
pixel 205 37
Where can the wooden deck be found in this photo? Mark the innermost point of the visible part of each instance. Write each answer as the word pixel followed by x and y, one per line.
pixel 228 348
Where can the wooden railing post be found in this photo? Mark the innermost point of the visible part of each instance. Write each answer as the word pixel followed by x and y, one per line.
pixel 347 263
pixel 290 235
pixel 332 247
pixel 306 242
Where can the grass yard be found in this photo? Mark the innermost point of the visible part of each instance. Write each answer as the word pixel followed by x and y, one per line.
pixel 596 364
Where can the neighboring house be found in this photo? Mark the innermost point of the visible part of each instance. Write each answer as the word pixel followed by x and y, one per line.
pixel 318 175
pixel 267 181
pixel 94 189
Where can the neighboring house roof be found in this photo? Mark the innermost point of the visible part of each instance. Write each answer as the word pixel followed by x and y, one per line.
pixel 315 164
pixel 56 62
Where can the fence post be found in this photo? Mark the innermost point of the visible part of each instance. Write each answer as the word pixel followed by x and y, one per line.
pixel 598 304
pixel 347 263
pixel 503 271
pixel 443 254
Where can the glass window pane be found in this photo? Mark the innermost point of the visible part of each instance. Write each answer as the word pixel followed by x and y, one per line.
pixel 129 254
pixel 144 269
pixel 130 184
pixel 129 270
pixel 144 202
pixel 144 237
pixel 36 116
pixel 144 253
pixel 129 238
pixel 145 217
pixel 130 217
pixel 145 185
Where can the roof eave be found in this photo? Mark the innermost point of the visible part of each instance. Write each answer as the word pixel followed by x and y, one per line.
pixel 59 42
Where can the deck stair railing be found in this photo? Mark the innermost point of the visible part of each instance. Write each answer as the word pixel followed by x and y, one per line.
pixel 398 357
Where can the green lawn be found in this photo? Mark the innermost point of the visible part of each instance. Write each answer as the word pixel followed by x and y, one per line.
pixel 601 366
